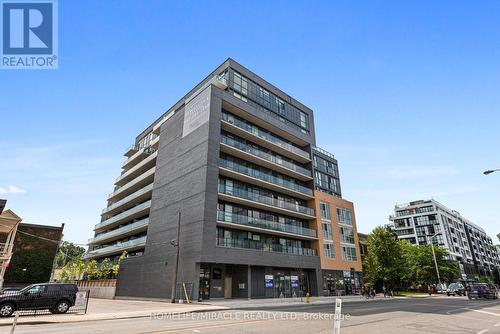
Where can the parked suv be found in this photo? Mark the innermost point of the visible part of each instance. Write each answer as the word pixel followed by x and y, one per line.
pixel 482 290
pixel 55 297
pixel 455 289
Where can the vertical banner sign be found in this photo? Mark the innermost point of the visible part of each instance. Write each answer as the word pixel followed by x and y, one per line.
pixel 269 281
pixel 196 112
pixel 294 280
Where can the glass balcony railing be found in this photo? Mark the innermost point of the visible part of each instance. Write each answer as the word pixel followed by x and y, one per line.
pixel 264 155
pixel 133 182
pixel 252 196
pixel 129 198
pixel 121 246
pixel 261 246
pixel 252 172
pixel 256 131
pixel 266 224
pixel 136 167
pixel 124 214
pixel 119 231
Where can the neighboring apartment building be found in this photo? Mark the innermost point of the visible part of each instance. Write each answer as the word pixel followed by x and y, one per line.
pixel 234 157
pixel 35 248
pixel 337 244
pixel 418 221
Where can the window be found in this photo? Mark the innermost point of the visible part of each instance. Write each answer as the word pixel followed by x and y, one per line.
pixel 344 216
pixel 325 210
pixel 349 253
pixel 327 231
pixel 240 84
pixel 347 235
pixel 328 250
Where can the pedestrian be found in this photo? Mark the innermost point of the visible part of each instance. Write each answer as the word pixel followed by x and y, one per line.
pixel 384 289
pixel 429 289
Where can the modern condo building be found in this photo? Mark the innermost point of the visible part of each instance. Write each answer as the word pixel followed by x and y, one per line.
pixel 424 221
pixel 234 157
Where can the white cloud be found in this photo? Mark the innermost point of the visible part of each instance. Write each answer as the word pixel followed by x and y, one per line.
pixel 12 190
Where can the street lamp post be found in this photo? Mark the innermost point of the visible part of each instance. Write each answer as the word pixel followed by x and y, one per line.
pixel 434 256
pixel 489 171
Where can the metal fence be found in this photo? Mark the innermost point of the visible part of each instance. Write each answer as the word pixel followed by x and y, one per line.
pixel 38 302
pixel 182 290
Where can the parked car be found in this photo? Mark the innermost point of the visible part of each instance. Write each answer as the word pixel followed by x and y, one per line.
pixel 455 289
pixel 482 290
pixel 55 297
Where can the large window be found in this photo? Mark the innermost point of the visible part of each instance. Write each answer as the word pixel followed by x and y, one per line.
pixel 328 250
pixel 344 216
pixel 327 230
pixel 325 210
pixel 346 235
pixel 349 253
pixel 251 92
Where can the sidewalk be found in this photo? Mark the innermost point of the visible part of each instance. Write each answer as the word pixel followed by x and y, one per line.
pixel 108 309
pixel 255 303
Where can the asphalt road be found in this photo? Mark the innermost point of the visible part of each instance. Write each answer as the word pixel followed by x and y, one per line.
pixel 416 315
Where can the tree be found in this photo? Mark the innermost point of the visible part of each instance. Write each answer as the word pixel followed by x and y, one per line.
pixel 421 269
pixel 68 252
pixel 384 262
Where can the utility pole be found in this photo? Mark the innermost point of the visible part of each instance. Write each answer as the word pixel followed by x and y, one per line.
pixel 435 261
pixel 176 244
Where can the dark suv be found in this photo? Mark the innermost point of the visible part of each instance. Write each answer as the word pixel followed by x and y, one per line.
pixel 55 297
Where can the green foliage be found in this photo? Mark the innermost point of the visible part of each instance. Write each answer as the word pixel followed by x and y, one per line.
pixel 421 266
pixel 395 262
pixel 78 269
pixel 487 279
pixel 68 252
pixel 384 261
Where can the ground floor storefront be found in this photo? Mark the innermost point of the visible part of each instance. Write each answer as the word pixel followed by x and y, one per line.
pixel 244 281
pixel 341 282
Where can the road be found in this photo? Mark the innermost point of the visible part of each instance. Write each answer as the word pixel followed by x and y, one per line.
pixel 414 315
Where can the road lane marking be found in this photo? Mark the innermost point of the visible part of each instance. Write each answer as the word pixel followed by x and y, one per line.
pixel 485 312
pixel 497 325
pixel 483 331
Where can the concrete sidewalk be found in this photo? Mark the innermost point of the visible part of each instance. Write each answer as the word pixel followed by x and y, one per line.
pixel 107 309
pixel 266 302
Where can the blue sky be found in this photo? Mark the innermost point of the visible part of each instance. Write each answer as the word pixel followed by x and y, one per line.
pixel 405 94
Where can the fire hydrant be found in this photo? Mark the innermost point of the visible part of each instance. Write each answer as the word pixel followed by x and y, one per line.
pixel 308 298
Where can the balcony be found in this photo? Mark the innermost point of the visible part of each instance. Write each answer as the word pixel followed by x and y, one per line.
pixel 134 185
pixel 121 232
pixel 266 180
pixel 117 248
pixel 254 133
pixel 143 165
pixel 232 218
pixel 139 195
pixel 129 214
pixel 260 246
pixel 141 154
pixel 265 202
pixel 260 157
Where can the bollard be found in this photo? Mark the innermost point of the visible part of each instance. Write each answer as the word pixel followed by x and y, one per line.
pixel 308 298
pixel 14 323
pixel 338 316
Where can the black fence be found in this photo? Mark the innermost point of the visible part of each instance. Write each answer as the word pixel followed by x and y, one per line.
pixel 43 299
pixel 184 290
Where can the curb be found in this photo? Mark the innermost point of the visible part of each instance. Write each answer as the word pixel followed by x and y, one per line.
pixel 78 318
